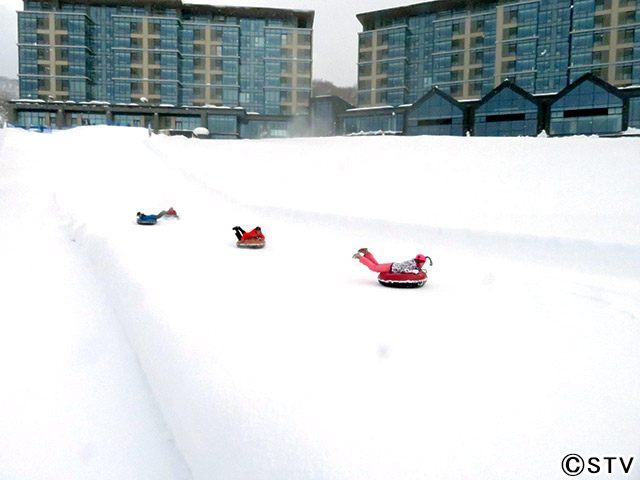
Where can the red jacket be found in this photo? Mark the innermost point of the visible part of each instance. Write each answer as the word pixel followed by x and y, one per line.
pixel 252 234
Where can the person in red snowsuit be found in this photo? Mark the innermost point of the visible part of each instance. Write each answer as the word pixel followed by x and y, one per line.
pixel 242 235
pixel 410 266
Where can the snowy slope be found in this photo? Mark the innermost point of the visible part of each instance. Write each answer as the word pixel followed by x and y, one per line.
pixel 291 362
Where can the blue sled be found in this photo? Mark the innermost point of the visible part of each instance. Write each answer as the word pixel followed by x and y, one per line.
pixel 147 220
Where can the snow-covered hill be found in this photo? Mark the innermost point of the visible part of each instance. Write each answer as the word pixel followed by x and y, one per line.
pixel 166 353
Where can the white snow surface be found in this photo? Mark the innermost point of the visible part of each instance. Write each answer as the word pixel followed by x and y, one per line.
pixel 165 352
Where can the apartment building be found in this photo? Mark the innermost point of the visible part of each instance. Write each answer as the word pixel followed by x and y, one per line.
pixel 468 47
pixel 165 53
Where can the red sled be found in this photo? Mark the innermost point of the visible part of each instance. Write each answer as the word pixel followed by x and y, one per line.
pixel 403 280
pixel 254 242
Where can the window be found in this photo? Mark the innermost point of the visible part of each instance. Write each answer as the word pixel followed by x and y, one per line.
pixel 155 88
pixel 511 15
pixel 154 59
pixel 508 67
pixel 477 57
pixel 475 73
pixel 624 54
pixel 216 35
pixel 624 72
pixel 365 56
pixel 62 85
pixel 477 42
pixel 62 54
pixel 155 28
pixel 477 25
pixel 364 70
pixel 364 85
pixel 509 50
pixel 602 21
pixel 457 28
pixel 457 44
pixel 304 39
pixel 627 17
pixel 600 39
pixel 365 41
pixel 510 33
pixel 602 73
pixel 475 88
pixel 600 56
pixel 42 23
pixel 285 96
pixel 627 35
pixel 304 68
pixel 382 68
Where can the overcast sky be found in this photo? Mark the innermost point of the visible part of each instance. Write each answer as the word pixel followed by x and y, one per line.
pixel 335 33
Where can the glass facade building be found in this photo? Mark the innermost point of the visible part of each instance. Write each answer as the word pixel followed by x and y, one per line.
pixel 385 120
pixel 435 114
pixel 588 106
pixel 508 111
pixel 166 53
pixel 467 49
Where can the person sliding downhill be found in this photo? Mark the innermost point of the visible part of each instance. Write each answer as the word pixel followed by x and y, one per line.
pixel 410 266
pixel 171 213
pixel 144 219
pixel 253 234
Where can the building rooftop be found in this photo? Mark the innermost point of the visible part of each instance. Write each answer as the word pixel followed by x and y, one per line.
pixel 251 12
pixel 418 8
